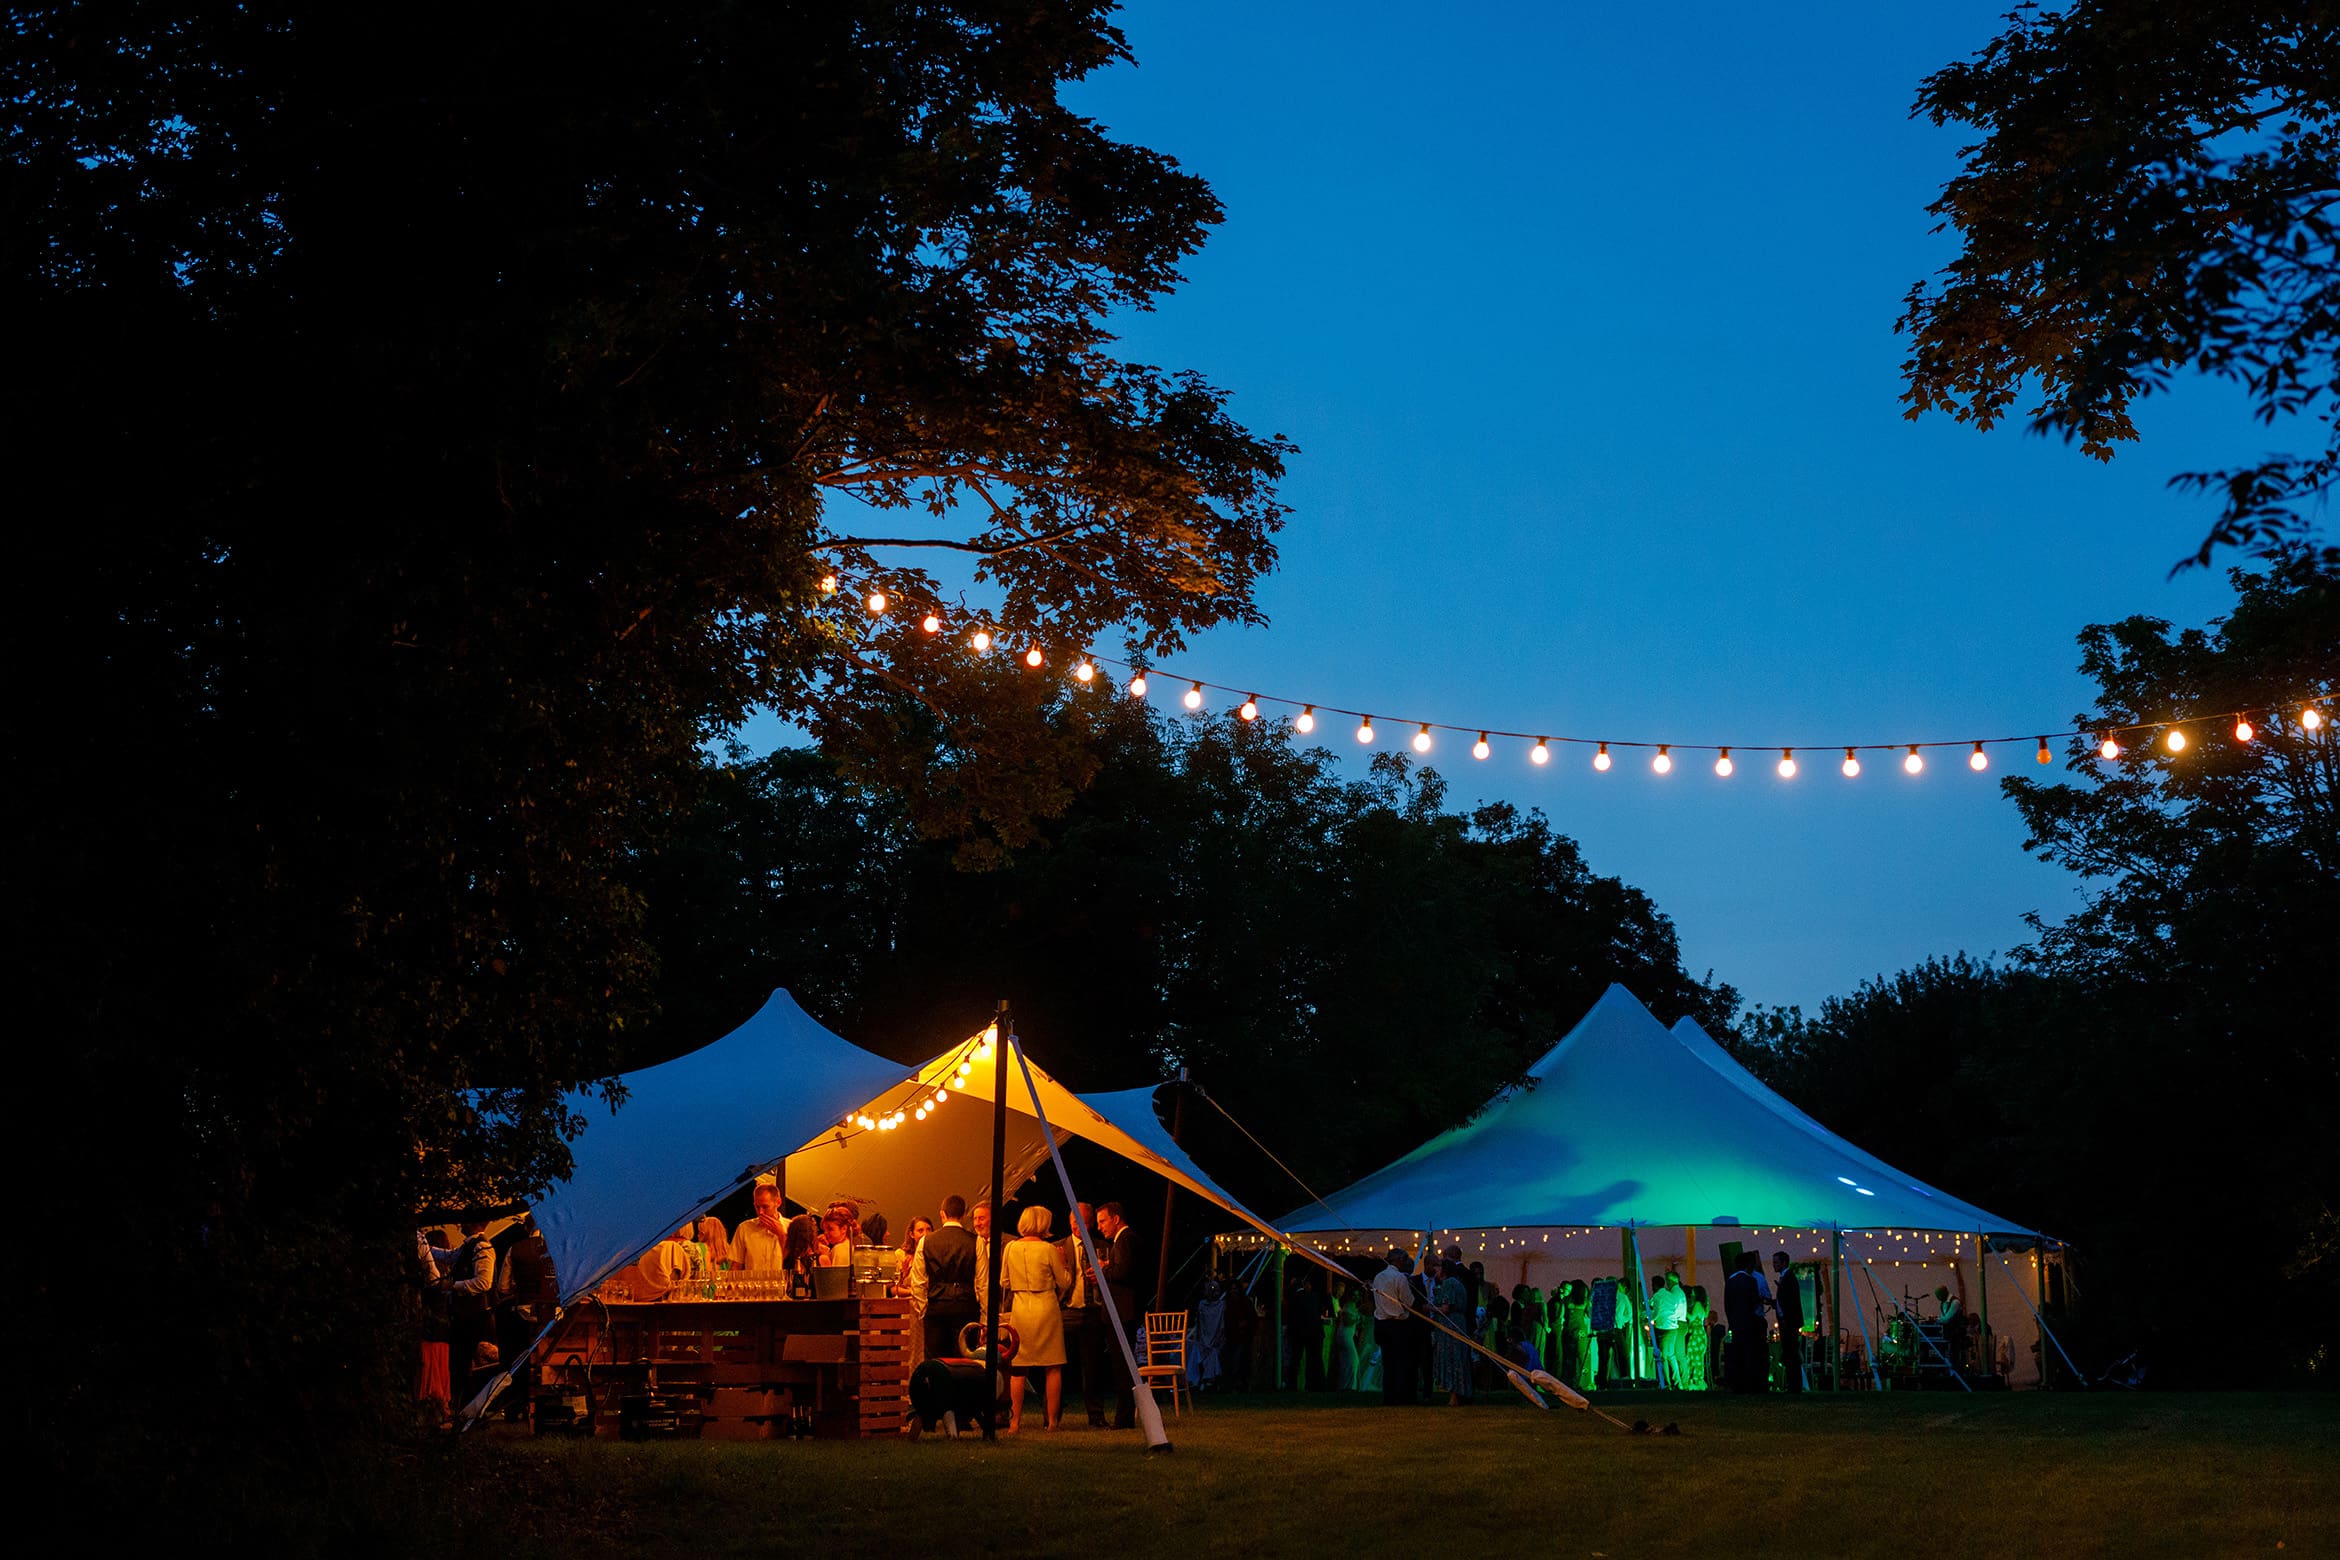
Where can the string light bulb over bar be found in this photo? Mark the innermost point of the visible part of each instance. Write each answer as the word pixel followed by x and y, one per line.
pixel 1787 763
pixel 1480 749
pixel 1422 739
pixel 1915 763
pixel 1600 759
pixel 1723 765
pixel 1852 765
pixel 1978 760
pixel 1664 762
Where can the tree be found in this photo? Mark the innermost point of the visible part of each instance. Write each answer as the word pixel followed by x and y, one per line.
pixel 2153 192
pixel 2152 1074
pixel 1351 966
pixel 432 430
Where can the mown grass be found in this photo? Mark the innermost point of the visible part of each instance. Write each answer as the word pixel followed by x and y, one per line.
pixel 1935 1475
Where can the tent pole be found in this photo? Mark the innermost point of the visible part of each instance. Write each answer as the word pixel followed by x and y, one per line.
pixel 999 1088
pixel 2043 1327
pixel 1982 1284
pixel 1868 1344
pixel 1169 1201
pixel 1149 1411
pixel 1276 1316
pixel 1647 1331
pixel 1835 1307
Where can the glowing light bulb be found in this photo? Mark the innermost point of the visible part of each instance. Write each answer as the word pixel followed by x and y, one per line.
pixel 1137 686
pixel 2044 756
pixel 1249 709
pixel 990 1036
pixel 866 1123
pixel 2108 749
pixel 828 584
pixel 1542 752
pixel 1085 673
pixel 1914 763
pixel 1193 697
pixel 981 641
pixel 2242 729
pixel 931 623
pixel 1601 759
pixel 877 601
pixel 1305 721
pixel 1033 658
pixel 2175 741
pixel 1422 739
pixel 921 1113
pixel 941 1095
pixel 2310 718
pixel 1852 765
pixel 1664 762
pixel 1479 749
pixel 1787 763
pixel 1978 760
pixel 966 1068
pixel 1723 765
pixel 1365 730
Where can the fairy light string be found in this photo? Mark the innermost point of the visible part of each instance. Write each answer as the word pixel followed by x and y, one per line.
pixel 2171 737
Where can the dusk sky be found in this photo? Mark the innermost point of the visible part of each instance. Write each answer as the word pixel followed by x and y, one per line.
pixel 1583 323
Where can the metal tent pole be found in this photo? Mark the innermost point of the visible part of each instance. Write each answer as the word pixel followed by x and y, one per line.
pixel 999 1088
pixel 1169 1200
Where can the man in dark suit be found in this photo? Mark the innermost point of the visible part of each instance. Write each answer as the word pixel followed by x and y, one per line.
pixel 950 1279
pixel 1120 1258
pixel 1084 1315
pixel 1788 1294
pixel 1747 1355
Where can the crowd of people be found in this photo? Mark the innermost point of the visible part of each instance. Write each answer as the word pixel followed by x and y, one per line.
pixel 1408 1331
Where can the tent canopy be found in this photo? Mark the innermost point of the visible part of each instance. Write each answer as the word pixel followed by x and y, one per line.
pixel 783 1089
pixel 1624 1123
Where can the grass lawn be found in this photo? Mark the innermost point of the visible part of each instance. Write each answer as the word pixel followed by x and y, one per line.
pixel 1931 1475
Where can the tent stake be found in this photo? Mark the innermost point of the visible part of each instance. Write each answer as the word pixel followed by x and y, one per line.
pixel 991 1316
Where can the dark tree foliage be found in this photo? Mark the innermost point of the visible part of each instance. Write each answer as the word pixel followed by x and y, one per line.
pixel 2153 194
pixel 428 428
pixel 2156 1074
pixel 1350 966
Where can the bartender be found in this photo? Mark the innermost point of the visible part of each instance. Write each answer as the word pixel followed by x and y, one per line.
pixel 761 1245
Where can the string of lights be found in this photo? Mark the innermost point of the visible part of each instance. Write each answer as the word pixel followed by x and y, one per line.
pixel 923 1095
pixel 2173 736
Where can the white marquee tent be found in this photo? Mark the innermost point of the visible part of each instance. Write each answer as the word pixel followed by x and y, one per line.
pixel 1628 1143
pixel 782 1091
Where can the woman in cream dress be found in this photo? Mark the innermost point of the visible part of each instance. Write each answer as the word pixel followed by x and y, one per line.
pixel 1034 1276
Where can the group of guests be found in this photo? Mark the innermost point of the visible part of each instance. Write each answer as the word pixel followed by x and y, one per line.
pixel 769 1241
pixel 1587 1334
pixel 480 1305
pixel 1054 1297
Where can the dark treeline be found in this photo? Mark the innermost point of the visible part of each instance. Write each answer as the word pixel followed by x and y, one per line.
pixel 2153 1078
pixel 1348 965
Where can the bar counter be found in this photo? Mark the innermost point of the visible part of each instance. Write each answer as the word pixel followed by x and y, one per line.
pixel 748 1366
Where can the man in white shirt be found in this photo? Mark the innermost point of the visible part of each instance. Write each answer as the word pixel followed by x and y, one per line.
pixel 1391 1294
pixel 761 1244
pixel 1668 1308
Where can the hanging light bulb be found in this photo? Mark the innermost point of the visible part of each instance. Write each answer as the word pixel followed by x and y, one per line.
pixel 1723 765
pixel 2175 741
pixel 1601 759
pixel 965 1068
pixel 828 584
pixel 1033 658
pixel 1085 673
pixel 921 1113
pixel 1137 686
pixel 941 1095
pixel 1193 697
pixel 1365 730
pixel 931 623
pixel 1305 721
pixel 1978 760
pixel 1664 762
pixel 981 641
pixel 1479 749
pixel 1851 765
pixel 1914 763
pixel 2310 717
pixel 2108 749
pixel 1541 753
pixel 2044 756
pixel 2242 729
pixel 1422 738
pixel 865 1123
pixel 877 601
pixel 1250 707
pixel 1787 763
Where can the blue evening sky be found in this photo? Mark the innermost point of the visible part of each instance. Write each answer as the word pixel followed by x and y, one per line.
pixel 1582 318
